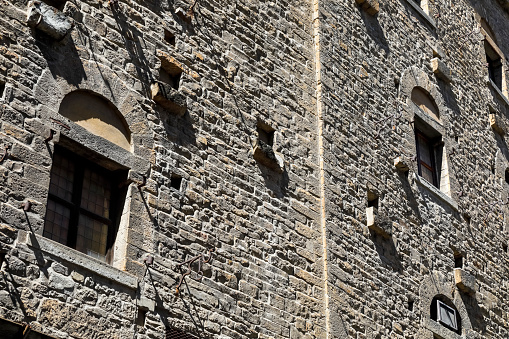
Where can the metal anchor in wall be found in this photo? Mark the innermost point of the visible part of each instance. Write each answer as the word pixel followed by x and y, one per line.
pixel 392 118
pixel 202 259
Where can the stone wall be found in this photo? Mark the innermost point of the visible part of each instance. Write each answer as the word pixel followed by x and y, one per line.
pixel 196 85
pixel 382 283
pixel 243 64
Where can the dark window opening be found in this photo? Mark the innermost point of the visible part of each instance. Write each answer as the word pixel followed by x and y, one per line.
pixel 494 65
pixel 176 182
pixel 443 311
pixel 410 305
pixel 140 317
pixel 458 261
pixel 265 135
pixel 372 200
pixel 173 333
pixel 504 247
pixel 2 259
pixel 83 205
pixel 2 89
pixel 58 4
pixel 426 158
pixel 507 176
pixel 172 79
pixel 169 37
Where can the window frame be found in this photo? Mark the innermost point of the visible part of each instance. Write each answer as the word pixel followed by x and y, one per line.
pixel 117 196
pixel 432 151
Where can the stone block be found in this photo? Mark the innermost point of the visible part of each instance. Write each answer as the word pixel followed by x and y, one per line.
pixel 370 6
pixel 441 70
pixel 401 164
pixel 377 222
pixel 497 124
pixel 265 155
pixel 49 20
pixel 465 281
pixel 169 98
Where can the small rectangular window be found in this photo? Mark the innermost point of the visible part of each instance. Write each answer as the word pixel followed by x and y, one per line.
pixel 82 204
pixel 458 261
pixel 176 182
pixel 171 79
pixel 169 37
pixel 266 136
pixel 2 90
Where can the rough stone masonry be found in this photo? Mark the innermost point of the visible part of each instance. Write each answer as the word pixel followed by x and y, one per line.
pixel 272 169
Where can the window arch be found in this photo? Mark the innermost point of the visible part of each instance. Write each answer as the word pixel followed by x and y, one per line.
pixel 422 99
pixel 443 311
pixel 97 115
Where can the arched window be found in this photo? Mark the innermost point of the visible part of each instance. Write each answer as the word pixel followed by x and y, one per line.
pixel 98 116
pixel 85 199
pixel 443 311
pixel 421 98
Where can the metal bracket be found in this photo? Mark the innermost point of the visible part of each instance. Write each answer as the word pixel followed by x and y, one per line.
pixel 26 206
pixel 201 260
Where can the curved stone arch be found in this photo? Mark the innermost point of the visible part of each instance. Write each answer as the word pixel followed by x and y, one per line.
pixel 97 115
pixel 414 77
pixel 436 284
pixel 51 90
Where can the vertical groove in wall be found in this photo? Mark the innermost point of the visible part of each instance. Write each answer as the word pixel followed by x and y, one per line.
pixel 316 46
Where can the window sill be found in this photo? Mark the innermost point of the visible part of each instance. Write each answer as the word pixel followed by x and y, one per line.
pixel 425 15
pixel 77 258
pixel 439 194
pixel 497 90
pixel 440 330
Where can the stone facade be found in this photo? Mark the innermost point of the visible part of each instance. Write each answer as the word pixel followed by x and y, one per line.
pixel 272 147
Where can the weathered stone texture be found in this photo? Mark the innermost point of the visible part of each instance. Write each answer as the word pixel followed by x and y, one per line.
pixel 369 66
pixel 241 62
pixel 233 66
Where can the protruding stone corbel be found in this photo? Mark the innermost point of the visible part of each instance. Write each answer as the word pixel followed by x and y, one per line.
pixel 496 124
pixel 370 6
pixel 465 281
pixel 377 222
pixel 401 164
pixel 168 97
pixel 441 70
pixel 265 155
pixel 49 20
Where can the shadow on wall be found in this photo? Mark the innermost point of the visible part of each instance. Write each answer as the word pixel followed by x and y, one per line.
pixel 179 129
pixel 276 182
pixel 387 252
pixel 62 58
pixel 374 30
pixel 475 313
pixel 133 40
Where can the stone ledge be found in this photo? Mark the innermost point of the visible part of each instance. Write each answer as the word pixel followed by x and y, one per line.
pixel 422 13
pixel 440 330
pixel 77 258
pixel 439 194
